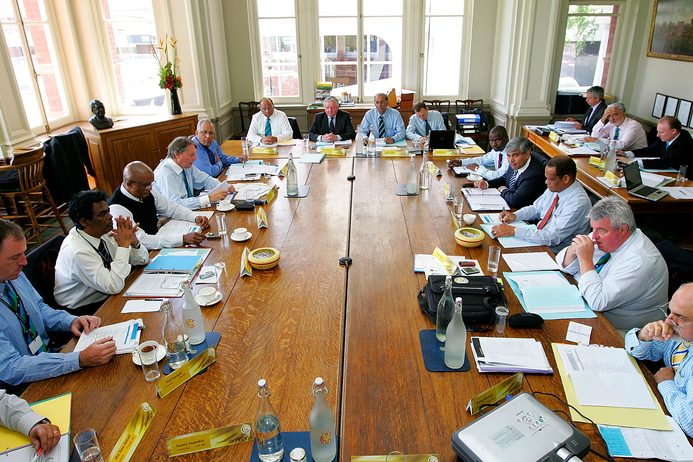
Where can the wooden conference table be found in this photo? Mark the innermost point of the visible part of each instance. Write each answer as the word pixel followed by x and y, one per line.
pixel 587 175
pixel 357 327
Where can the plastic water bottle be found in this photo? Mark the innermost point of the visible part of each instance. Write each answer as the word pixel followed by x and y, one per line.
pixel 323 444
pixel 446 307
pixel 173 337
pixel 424 174
pixel 193 325
pixel 268 433
pixel 371 142
pixel 455 339
pixel 359 141
pixel 412 177
pixel 291 178
pixel 610 164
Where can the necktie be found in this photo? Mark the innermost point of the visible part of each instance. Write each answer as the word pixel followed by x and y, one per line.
pixel 617 133
pixel 679 354
pixel 500 159
pixel 381 127
pixel 210 155
pixel 428 127
pixel 601 262
pixel 546 218
pixel 667 146
pixel 187 185
pixel 513 179
pixel 268 127
pixel 17 307
pixel 105 255
pixel 331 124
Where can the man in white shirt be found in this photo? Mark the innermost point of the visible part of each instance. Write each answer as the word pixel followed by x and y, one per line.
pixel 561 211
pixel 614 125
pixel 95 259
pixel 618 269
pixel 134 199
pixel 270 125
pixel 422 122
pixel 17 415
pixel 494 163
pixel 177 179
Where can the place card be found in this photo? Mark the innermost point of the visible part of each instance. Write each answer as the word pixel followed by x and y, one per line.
pixel 261 218
pixel 497 393
pixel 398 458
pixel 272 193
pixel 455 221
pixel 444 260
pixel 447 190
pixel 596 162
pixel 184 373
pixel 209 439
pixel 134 431
pixel 246 269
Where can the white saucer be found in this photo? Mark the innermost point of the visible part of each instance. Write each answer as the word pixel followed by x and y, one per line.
pixel 473 177
pixel 216 299
pixel 247 236
pixel 160 354
pixel 226 209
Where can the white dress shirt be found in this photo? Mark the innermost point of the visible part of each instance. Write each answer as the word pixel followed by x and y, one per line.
pixel 568 218
pixel 631 134
pixel 169 183
pixel 488 164
pixel 80 275
pixel 16 414
pixel 278 121
pixel 164 208
pixel 630 287
pixel 417 127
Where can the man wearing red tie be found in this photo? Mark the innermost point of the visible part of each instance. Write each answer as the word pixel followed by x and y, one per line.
pixel 561 211
pixel 670 341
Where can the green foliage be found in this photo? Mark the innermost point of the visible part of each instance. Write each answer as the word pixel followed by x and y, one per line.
pixel 583 27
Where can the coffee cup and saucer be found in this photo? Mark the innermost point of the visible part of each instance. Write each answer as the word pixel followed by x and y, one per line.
pixel 474 177
pixel 149 345
pixel 208 296
pixel 240 235
pixel 225 206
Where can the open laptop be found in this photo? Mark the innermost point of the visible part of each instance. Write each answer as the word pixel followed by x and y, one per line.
pixel 635 187
pixel 441 139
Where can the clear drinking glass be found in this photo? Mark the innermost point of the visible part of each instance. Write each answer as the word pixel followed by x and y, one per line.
pixel 501 319
pixel 221 223
pixel 681 178
pixel 494 254
pixel 147 352
pixel 458 207
pixel 87 446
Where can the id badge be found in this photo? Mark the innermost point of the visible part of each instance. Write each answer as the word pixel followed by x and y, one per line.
pixel 36 345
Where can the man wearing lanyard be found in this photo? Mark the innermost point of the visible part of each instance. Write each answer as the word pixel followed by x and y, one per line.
pixel 27 320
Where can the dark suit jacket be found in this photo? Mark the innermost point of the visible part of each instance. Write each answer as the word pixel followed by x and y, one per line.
pixel 679 152
pixel 342 126
pixel 530 185
pixel 598 113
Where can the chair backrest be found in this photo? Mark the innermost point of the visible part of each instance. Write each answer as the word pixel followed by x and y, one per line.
pixel 462 105
pixel 40 268
pixel 440 105
pixel 294 126
pixel 29 168
pixel 248 109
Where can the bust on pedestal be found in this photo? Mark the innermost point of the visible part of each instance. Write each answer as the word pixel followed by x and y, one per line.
pixel 99 119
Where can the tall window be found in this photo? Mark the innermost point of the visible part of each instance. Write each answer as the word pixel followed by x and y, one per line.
pixel 443 46
pixel 589 41
pixel 130 33
pixel 278 48
pixel 379 49
pixel 31 46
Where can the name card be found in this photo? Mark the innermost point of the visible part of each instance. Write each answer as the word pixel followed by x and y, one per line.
pixel 184 373
pixel 613 179
pixel 597 162
pixel 246 269
pixel 444 260
pixel 555 137
pixel 132 435
pixel 272 194
pixel 209 439
pixel 398 458
pixel 497 393
pixel 261 218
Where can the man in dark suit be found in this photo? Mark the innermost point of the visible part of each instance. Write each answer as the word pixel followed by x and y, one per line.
pixel 595 98
pixel 673 149
pixel 333 124
pixel 524 181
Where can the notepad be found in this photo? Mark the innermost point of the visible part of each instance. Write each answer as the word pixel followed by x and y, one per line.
pixel 172 264
pixel 125 334
pixel 484 199
pixel 311 158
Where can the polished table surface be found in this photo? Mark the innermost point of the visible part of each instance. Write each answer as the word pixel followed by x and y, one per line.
pixel 357 327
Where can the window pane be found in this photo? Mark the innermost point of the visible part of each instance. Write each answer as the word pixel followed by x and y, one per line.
pixel 279 57
pixel 592 9
pixel 275 8
pixel 443 54
pixel 22 75
pixel 32 10
pixel 339 54
pixel 337 7
pixel 44 59
pixel 7 11
pixel 445 7
pixel 382 8
pixel 130 31
pixel 382 54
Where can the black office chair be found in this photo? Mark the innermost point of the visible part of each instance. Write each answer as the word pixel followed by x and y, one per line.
pixel 679 263
pixel 247 109
pixel 294 126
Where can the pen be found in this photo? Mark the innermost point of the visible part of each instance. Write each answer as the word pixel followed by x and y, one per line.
pixel 127 333
pixel 153 299
pixel 37 455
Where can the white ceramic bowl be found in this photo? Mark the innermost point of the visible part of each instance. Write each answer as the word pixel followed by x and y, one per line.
pixel 469 218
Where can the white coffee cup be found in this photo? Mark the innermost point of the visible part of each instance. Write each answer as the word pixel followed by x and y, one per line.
pixel 240 232
pixel 224 204
pixel 469 218
pixel 207 294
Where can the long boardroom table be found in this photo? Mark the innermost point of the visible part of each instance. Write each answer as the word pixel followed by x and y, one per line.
pixel 355 326
pixel 587 175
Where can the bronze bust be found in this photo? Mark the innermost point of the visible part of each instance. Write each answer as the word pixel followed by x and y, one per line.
pixel 99 119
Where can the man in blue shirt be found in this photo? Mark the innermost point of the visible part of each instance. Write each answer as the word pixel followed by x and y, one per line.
pixel 25 321
pixel 422 122
pixel 387 123
pixel 210 158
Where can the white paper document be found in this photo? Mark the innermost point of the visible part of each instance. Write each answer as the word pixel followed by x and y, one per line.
pixel 251 190
pixel 500 354
pixel 156 285
pixel 176 228
pixel 125 334
pixel 641 443
pixel 580 150
pixel 578 333
pixel 142 306
pixel 484 199
pixel 680 192
pixel 612 390
pixel 428 264
pixel 595 359
pixel 530 261
pixel 60 453
pixel 461 170
pixel 208 214
pixel 511 242
pixel 311 158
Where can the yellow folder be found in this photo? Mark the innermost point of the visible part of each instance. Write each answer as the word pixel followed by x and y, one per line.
pixel 56 409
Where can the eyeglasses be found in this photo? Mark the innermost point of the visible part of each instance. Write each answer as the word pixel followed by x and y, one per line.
pixel 668 314
pixel 144 185
pixel 206 132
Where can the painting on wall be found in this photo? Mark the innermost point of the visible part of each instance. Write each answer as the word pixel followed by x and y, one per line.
pixel 671 32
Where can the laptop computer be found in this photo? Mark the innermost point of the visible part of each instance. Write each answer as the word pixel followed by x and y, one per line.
pixel 634 185
pixel 441 139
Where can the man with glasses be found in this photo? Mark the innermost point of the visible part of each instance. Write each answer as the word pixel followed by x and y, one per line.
pixel 670 341
pixel 210 158
pixel 134 199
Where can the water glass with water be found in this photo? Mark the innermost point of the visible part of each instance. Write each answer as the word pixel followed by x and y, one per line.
pixel 306 139
pixel 458 207
pixel 147 352
pixel 494 254
pixel 681 178
pixel 221 223
pixel 87 446
pixel 244 146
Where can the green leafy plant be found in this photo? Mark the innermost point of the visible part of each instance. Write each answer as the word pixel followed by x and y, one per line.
pixel 168 65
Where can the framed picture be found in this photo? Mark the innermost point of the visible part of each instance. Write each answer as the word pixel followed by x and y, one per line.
pixel 658 108
pixel 671 29
pixel 684 111
pixel 672 104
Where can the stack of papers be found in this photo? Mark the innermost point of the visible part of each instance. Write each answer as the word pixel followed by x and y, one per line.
pixel 380 143
pixel 250 191
pixel 485 199
pixel 530 261
pixel 500 354
pixel 547 292
pixel 156 285
pixel 184 261
pixel 462 170
pixel 680 192
pixel 428 264
pixel 333 143
pixel 642 443
pixel 250 170
pixel 125 334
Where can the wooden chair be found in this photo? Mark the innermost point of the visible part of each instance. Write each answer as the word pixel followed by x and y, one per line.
pixel 31 204
pixel 440 105
pixel 247 109
pixel 462 105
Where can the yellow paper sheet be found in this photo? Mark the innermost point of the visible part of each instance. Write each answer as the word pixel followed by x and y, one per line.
pixel 621 416
pixel 56 409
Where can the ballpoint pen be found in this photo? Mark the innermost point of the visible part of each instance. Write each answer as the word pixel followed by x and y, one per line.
pixel 37 455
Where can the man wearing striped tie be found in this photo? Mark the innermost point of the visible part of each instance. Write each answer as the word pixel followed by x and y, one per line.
pixel 619 270
pixel 422 122
pixel 270 125
pixel 670 341
pixel 386 122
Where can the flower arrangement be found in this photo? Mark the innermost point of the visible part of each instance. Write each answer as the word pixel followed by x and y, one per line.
pixel 168 68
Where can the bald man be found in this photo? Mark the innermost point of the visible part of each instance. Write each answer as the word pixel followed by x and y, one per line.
pixel 136 200
pixel 270 125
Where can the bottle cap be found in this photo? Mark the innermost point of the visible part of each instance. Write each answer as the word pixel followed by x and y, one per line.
pixel 261 383
pixel 319 381
pixel 298 455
